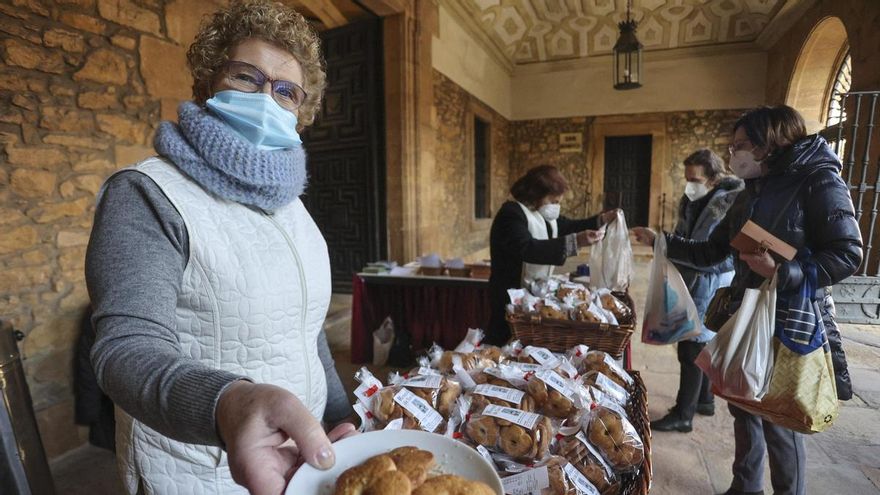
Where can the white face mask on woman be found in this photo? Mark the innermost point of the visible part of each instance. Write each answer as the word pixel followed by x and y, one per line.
pixel 744 164
pixel 550 211
pixel 695 190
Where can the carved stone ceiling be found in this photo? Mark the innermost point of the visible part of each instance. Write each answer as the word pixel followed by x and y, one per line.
pixel 529 31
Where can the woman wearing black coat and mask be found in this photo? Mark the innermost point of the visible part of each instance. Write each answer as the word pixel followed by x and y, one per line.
pixel 793 181
pixel 528 237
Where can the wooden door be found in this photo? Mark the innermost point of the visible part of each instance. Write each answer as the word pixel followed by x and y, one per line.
pixel 628 177
pixel 346 152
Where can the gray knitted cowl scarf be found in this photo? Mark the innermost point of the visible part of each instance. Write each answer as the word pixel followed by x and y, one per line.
pixel 223 162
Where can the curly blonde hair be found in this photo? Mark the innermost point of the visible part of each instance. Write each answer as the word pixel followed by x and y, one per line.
pixel 266 20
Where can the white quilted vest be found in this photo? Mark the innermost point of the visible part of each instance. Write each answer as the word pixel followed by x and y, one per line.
pixel 254 296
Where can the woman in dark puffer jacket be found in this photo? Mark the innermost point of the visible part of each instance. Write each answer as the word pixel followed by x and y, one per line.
pixel 779 162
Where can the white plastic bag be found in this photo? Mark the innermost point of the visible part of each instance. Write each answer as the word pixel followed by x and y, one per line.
pixel 611 259
pixel 739 360
pixel 383 338
pixel 670 313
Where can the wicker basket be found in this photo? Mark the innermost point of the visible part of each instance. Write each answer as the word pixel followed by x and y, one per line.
pixel 433 271
pixel 562 335
pixel 639 483
pixel 459 272
pixel 480 270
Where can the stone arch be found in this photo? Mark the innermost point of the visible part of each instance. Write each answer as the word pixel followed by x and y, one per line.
pixel 810 86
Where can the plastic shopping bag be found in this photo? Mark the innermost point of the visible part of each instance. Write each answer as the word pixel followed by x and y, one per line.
pixel 611 259
pixel 802 394
pixel 670 312
pixel 739 360
pixel 383 338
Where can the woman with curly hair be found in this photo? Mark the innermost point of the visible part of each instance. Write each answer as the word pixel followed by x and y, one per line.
pixel 210 281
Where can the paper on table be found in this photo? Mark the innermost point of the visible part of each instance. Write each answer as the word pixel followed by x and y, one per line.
pixel 402 271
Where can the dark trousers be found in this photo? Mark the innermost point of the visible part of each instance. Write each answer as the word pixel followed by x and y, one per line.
pixel 784 447
pixel 693 385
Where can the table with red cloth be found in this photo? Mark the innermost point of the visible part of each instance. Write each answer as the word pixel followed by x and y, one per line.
pixel 429 309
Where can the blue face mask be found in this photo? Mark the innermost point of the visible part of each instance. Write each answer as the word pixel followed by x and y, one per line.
pixel 257 117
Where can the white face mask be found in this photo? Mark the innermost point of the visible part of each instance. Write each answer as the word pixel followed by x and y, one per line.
pixel 744 164
pixel 550 211
pixel 695 190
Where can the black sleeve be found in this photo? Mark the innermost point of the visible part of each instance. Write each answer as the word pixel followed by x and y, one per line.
pixel 510 235
pixel 567 226
pixel 710 252
pixel 832 233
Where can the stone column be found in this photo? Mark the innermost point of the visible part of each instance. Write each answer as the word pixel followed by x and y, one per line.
pixel 409 134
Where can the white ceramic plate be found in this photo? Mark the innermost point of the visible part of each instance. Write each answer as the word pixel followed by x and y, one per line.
pixel 452 458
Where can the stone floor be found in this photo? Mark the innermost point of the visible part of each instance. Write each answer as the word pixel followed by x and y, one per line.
pixel 844 460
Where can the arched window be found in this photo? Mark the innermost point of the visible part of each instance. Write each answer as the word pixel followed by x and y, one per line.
pixel 840 85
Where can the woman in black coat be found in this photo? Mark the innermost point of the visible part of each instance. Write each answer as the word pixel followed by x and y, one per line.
pixel 794 190
pixel 528 237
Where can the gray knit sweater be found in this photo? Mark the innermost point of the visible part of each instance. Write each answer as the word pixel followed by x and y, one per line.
pixel 136 355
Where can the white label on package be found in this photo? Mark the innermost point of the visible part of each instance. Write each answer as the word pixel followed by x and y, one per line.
pixel 553 379
pixel 528 482
pixel 542 355
pixel 465 378
pixel 367 390
pixel 423 381
pixel 427 417
pixel 425 370
pixel 580 482
pixel 525 419
pixel 509 394
pixel 612 389
pixel 527 366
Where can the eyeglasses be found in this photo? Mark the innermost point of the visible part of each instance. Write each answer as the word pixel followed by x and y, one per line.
pixel 738 146
pixel 244 77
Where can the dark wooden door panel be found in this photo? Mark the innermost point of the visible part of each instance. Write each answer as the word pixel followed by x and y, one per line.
pixel 628 176
pixel 346 146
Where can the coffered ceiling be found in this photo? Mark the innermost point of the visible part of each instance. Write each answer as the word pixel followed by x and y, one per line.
pixel 530 31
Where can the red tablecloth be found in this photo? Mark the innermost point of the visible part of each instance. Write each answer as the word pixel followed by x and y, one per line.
pixel 429 309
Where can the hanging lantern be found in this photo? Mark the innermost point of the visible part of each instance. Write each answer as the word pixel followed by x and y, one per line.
pixel 627 55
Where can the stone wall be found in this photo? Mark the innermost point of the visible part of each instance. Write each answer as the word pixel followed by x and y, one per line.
pixel 83 84
pixel 454 110
pixel 860 18
pixel 687 132
pixel 536 142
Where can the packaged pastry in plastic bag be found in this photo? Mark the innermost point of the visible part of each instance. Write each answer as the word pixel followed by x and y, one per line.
pixel 555 395
pixel 399 403
pixel 611 303
pixel 578 451
pixel 608 386
pixel 572 293
pixel 552 476
pixel 554 310
pixel 603 362
pixel 488 394
pixel 615 438
pixel 522 435
pixel 523 302
pixel 588 312
pixel 439 391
